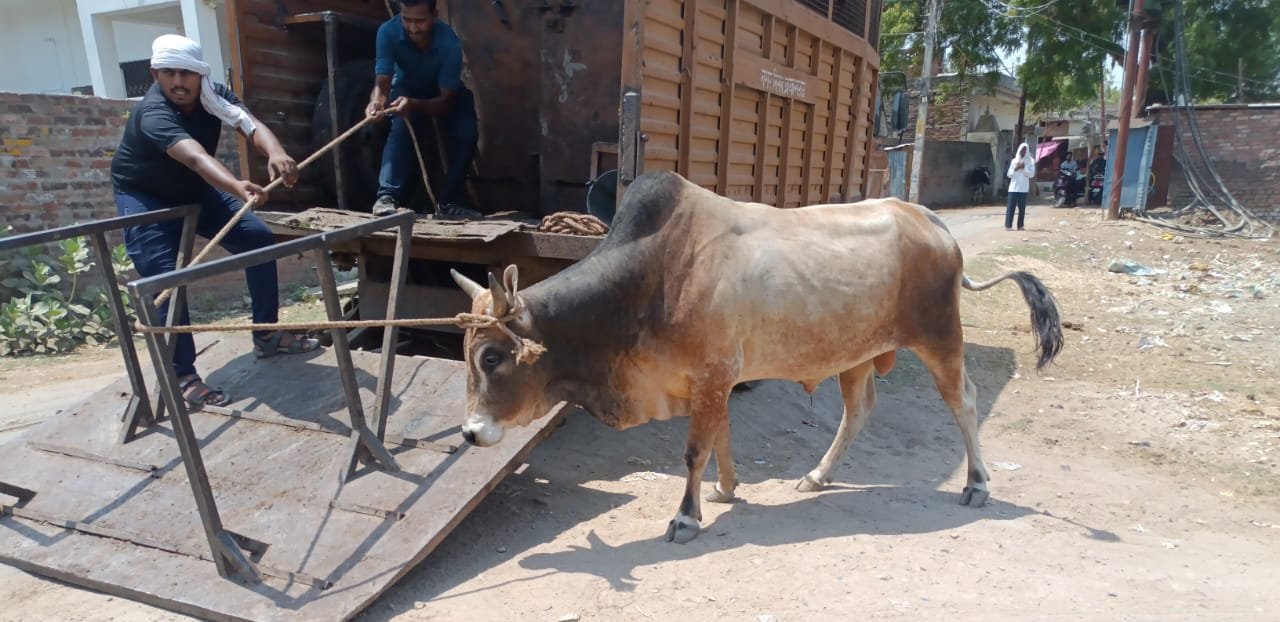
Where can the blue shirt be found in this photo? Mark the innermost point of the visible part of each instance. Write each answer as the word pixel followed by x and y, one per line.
pixel 421 73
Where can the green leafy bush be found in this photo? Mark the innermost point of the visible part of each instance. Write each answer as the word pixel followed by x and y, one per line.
pixel 48 308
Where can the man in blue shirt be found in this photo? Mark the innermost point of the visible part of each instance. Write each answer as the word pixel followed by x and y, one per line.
pixel 419 71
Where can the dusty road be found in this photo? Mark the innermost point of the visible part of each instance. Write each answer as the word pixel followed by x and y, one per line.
pixel 1135 480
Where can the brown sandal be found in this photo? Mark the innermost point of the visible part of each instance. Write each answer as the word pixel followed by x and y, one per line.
pixel 198 394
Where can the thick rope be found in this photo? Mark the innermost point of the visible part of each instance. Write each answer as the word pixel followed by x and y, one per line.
pixel 527 350
pixel 573 223
pixel 217 239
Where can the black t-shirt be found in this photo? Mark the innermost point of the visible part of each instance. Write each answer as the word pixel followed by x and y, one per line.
pixel 140 162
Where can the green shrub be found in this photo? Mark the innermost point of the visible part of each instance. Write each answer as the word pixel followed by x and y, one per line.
pixel 48 307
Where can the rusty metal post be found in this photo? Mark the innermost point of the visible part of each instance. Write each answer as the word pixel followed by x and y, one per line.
pixel 139 409
pixel 1126 111
pixel 331 69
pixel 364 447
pixel 227 555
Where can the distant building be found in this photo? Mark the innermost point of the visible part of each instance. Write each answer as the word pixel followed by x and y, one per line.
pixel 100 47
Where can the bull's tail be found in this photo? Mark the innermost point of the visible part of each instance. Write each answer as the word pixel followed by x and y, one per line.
pixel 1046 325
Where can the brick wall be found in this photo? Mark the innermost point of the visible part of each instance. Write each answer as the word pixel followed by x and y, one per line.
pixel 1240 141
pixel 55 158
pixel 948 116
pixel 55 170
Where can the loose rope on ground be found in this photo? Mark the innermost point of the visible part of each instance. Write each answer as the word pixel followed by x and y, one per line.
pixel 573 223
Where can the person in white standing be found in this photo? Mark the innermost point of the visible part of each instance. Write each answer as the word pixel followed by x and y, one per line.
pixel 1021 169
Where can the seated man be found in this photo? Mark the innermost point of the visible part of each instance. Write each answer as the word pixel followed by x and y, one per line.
pixel 419 69
pixel 165 159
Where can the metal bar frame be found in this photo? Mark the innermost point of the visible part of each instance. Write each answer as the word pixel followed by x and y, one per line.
pixel 366 445
pixel 142 409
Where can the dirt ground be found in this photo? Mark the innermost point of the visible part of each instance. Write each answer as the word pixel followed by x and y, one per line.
pixel 1136 479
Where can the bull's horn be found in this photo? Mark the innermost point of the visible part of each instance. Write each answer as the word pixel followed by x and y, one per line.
pixel 472 288
pixel 500 305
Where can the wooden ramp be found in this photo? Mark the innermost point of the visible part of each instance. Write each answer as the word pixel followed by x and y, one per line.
pixel 122 518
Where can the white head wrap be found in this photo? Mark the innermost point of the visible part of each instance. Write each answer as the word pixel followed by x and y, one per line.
pixel 179 52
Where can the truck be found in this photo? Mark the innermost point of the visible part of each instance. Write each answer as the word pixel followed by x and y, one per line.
pixel 764 100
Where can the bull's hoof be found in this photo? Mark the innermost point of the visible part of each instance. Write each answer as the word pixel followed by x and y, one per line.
pixel 719 496
pixel 809 483
pixel 682 529
pixel 974 496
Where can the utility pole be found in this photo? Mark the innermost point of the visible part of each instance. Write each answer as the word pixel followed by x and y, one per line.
pixel 1144 63
pixel 1102 106
pixel 922 113
pixel 1126 111
pixel 1240 80
pixel 1022 115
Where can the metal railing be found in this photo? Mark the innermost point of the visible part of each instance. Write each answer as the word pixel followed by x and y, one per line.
pixel 140 409
pixel 367 437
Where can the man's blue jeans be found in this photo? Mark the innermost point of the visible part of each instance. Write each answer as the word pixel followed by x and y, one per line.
pixel 460 132
pixel 154 250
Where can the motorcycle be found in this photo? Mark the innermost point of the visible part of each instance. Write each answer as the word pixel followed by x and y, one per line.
pixel 1066 189
pixel 1095 190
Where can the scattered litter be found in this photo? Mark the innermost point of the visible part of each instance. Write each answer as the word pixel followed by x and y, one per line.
pixel 1195 425
pixel 1238 338
pixel 1218 306
pixel 1006 466
pixel 1138 528
pixel 502 549
pixel 648 476
pixel 1263 524
pixel 1153 341
pixel 1213 396
pixel 812 424
pixel 569 617
pixel 1124 266
pixel 638 461
pixel 1140 443
pixel 760 461
pixel 1169 545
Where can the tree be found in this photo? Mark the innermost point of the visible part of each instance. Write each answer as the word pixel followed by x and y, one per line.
pixel 1219 36
pixel 970 38
pixel 1067 48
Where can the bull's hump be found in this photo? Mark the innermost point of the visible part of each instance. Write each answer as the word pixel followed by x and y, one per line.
pixel 647 205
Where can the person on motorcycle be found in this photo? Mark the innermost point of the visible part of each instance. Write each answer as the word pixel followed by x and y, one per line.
pixel 1070 169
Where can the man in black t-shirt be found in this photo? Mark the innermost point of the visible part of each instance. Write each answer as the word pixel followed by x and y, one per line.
pixel 165 159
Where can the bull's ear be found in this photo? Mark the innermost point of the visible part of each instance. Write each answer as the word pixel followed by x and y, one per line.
pixel 499 304
pixel 472 288
pixel 511 282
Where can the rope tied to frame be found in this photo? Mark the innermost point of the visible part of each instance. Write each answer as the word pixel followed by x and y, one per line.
pixel 573 223
pixel 527 350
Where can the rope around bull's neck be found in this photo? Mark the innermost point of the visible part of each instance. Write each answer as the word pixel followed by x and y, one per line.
pixel 527 350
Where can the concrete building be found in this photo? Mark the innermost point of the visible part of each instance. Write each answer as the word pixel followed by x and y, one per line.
pixel 88 46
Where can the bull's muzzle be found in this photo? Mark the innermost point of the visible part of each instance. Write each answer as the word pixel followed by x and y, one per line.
pixel 481 431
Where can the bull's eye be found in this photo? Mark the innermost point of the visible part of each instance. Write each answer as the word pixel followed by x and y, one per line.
pixel 490 360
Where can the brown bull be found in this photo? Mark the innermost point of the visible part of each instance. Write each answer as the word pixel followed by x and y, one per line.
pixel 692 293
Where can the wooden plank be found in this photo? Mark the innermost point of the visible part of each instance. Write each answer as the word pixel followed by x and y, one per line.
pixel 274 484
pixel 860 99
pixel 727 96
pixel 687 68
pixel 834 110
pixel 808 21
pixel 806 174
pixel 788 116
pixel 773 77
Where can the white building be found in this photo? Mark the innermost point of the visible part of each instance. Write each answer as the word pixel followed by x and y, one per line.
pixel 78 46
